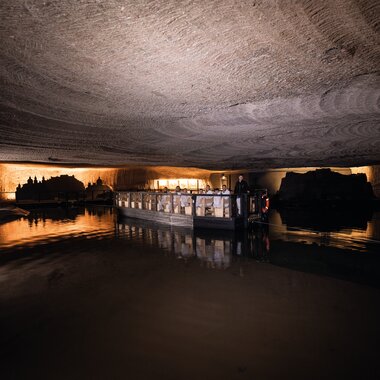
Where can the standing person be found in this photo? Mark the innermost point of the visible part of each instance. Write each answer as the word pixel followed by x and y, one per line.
pixel 241 188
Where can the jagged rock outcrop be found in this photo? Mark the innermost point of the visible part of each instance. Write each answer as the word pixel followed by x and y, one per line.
pixel 53 188
pixel 324 185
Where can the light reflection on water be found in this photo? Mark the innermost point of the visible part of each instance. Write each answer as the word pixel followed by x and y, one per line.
pixel 213 250
pixel 357 237
pixel 336 252
pixel 53 224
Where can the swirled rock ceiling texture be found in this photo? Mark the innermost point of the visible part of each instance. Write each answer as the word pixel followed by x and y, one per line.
pixel 215 84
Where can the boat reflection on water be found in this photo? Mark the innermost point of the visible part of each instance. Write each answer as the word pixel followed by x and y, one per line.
pixel 348 253
pixel 214 249
pixel 336 257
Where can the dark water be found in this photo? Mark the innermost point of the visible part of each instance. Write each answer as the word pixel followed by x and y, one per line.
pixel 349 248
pixel 84 294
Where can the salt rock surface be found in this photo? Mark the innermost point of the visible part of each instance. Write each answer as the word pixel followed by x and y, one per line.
pixel 214 84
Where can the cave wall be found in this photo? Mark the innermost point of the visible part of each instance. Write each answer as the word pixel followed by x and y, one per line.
pixel 324 185
pixel 141 177
pixel 375 179
pixel 118 178
pixel 373 176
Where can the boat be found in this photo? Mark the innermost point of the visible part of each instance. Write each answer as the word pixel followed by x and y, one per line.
pixel 216 211
pixel 10 213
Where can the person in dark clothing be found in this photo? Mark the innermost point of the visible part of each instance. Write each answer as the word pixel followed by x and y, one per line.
pixel 241 187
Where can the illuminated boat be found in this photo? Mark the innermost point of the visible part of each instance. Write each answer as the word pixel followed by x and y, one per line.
pixel 188 210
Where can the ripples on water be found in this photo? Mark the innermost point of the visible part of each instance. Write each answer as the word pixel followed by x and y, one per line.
pixel 44 226
pixel 359 231
pixel 346 252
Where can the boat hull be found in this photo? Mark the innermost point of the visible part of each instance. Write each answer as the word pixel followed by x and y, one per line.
pixel 180 220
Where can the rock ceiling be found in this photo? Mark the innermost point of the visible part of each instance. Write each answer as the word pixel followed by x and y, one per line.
pixel 214 84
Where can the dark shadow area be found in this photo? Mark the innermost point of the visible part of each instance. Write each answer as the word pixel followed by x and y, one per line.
pixel 324 185
pixel 363 268
pixel 62 190
pixel 327 218
pixel 64 187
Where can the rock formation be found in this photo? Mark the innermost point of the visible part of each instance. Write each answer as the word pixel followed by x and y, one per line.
pixel 324 185
pixel 214 84
pixel 55 188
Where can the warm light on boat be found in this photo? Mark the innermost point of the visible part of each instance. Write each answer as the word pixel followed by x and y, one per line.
pixel 171 184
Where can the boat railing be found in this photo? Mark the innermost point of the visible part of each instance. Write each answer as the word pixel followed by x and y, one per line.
pixel 200 205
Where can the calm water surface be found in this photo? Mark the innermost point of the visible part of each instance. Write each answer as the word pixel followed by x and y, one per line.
pixel 87 295
pixel 349 247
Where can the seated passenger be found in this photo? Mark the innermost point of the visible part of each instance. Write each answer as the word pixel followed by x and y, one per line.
pixel 200 203
pixel 225 191
pixel 185 198
pixel 200 200
pixel 177 200
pixel 163 200
pixel 208 200
pixel 218 199
pixel 226 200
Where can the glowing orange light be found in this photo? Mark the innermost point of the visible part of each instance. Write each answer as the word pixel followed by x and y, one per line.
pixel 188 183
pixel 13 174
pixel 47 230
